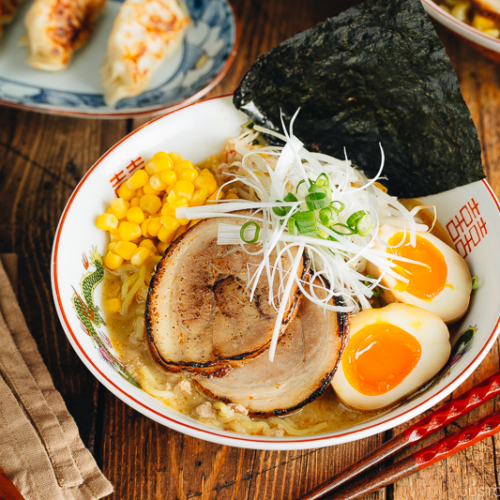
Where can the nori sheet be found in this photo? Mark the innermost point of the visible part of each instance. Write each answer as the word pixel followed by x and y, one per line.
pixel 376 73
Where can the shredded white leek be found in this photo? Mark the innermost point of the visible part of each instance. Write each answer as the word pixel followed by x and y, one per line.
pixel 270 173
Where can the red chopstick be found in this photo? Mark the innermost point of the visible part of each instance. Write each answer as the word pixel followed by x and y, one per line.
pixel 426 457
pixel 440 418
pixel 7 489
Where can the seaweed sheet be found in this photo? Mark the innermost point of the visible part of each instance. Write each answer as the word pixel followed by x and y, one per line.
pixel 376 73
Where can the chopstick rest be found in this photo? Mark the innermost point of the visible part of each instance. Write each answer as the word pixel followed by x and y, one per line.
pixel 433 422
pixel 424 458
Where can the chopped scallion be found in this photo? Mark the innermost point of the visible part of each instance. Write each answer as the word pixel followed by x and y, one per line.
pixel 255 236
pixel 475 282
pixel 317 200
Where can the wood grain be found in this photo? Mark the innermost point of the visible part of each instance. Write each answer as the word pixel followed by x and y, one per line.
pixel 42 158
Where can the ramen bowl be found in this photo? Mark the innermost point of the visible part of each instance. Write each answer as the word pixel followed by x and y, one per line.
pixel 469 214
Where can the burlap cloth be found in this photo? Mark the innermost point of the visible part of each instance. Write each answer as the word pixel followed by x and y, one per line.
pixel 40 448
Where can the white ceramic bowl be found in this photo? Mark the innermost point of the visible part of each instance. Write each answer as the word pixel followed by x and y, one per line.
pixel 471 215
pixel 485 44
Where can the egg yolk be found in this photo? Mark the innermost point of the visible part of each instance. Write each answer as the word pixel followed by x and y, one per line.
pixel 379 357
pixel 425 282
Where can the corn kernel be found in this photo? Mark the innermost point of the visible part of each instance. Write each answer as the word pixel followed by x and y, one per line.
pixel 154 227
pixel 106 222
pixel 159 155
pixel 159 164
pixel 140 256
pixel 135 201
pixel 168 177
pixel 482 23
pixel 109 210
pixel 216 195
pixel 175 157
pixel 177 201
pixel 149 190
pixel 113 261
pixel 206 171
pixel 169 222
pixel 125 249
pixel 168 209
pixel 147 243
pixel 187 174
pixel 120 207
pixel 144 227
pixel 232 196
pixel 165 234
pixel 114 305
pixel 129 230
pixel 156 183
pixel 206 182
pixel 138 180
pixel 184 188
pixel 162 247
pixel 135 214
pixel 114 235
pixel 150 203
pixel 169 190
pixel 199 197
pixel 124 192
pixel 112 246
pixel 139 192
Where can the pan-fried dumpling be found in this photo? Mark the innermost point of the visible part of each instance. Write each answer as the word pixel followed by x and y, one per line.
pixel 56 28
pixel 8 9
pixel 144 34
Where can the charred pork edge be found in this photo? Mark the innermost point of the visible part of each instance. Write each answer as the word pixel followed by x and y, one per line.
pixel 342 331
pixel 221 366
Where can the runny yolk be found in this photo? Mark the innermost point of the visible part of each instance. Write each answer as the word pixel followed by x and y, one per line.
pixel 425 282
pixel 379 357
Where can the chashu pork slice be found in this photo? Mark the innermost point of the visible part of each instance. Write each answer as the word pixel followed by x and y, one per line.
pixel 199 315
pixel 306 359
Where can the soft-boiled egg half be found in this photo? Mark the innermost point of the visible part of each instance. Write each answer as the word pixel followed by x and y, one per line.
pixel 441 284
pixel 392 351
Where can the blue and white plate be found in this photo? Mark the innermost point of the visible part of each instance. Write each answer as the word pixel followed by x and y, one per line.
pixel 205 56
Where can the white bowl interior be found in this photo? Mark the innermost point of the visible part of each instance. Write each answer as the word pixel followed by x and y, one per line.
pixel 471 213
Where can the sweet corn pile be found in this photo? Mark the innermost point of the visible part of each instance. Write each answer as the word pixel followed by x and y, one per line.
pixel 463 11
pixel 141 221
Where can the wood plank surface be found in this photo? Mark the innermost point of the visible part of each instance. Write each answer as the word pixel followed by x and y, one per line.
pixel 42 158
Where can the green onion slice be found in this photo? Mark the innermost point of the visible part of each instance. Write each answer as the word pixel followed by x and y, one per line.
pixel 317 200
pixel 245 226
pixel 475 282
pixel 279 211
pixel 325 182
pixel 290 197
pixel 328 216
pixel 350 230
pixel 353 220
pixel 292 226
pixel 306 222
pixel 341 206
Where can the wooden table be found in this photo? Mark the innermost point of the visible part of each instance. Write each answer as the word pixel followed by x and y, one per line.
pixel 42 158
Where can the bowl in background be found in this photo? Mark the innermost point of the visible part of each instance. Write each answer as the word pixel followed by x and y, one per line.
pixel 484 44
